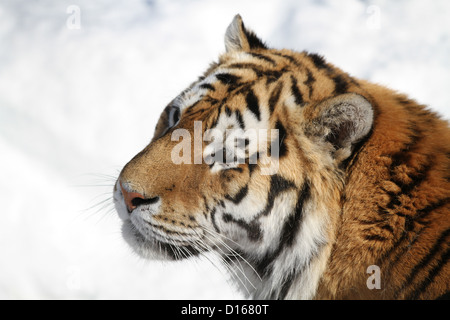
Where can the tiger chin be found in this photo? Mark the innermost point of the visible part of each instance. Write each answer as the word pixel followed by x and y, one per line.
pixel 362 180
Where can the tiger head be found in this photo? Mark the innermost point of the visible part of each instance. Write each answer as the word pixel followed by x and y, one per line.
pixel 248 162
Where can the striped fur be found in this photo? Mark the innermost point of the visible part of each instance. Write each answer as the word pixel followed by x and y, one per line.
pixel 363 179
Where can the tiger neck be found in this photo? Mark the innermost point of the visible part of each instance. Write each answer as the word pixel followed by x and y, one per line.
pixel 295 270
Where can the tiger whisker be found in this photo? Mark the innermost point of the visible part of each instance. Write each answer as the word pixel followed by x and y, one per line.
pixel 232 271
pixel 233 252
pixel 227 266
pixel 227 260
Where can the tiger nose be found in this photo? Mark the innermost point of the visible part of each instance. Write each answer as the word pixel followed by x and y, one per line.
pixel 131 198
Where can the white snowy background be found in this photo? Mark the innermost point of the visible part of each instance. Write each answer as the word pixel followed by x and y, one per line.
pixel 77 104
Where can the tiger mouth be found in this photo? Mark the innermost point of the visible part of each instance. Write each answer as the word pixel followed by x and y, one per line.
pixel 155 241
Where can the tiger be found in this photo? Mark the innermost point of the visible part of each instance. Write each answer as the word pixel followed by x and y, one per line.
pixel 356 207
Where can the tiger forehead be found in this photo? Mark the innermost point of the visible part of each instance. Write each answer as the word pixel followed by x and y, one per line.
pixel 268 59
pixel 238 67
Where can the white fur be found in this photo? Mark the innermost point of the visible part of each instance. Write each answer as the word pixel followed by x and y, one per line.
pixel 296 259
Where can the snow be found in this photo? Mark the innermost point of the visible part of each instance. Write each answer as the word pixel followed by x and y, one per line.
pixel 77 104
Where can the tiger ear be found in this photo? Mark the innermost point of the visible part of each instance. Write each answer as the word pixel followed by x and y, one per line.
pixel 238 38
pixel 341 122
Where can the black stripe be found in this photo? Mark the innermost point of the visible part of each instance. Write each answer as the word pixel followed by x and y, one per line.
pixel 417 178
pixel 309 82
pixel 427 259
pixel 286 286
pixel 430 208
pixel 426 115
pixel 292 224
pixel 253 104
pixel 243 89
pixel 296 92
pixel 288 57
pixel 387 227
pixel 205 202
pixel 213 220
pixel 372 223
pixel 407 188
pixel 245 65
pixel 411 238
pixel 253 41
pixel 275 96
pixel 288 233
pixel 251 168
pixel 402 157
pixel 431 275
pixel 409 225
pixel 282 150
pixel 341 84
pixel 319 61
pixel 399 248
pixel 193 111
pixel 251 66
pixel 239 119
pixel 375 237
pixel 253 228
pixel 277 185
pixel 253 158
pixel 237 169
pixel 228 79
pixel 207 86
pixel 273 76
pixel 219 113
pixel 193 105
pixel 262 57
pixel 228 111
pixel 405 100
pixel 210 100
pixel 240 195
